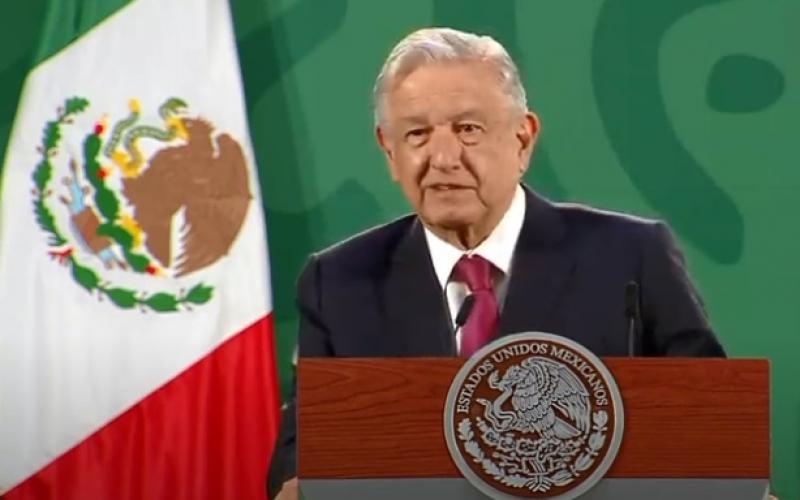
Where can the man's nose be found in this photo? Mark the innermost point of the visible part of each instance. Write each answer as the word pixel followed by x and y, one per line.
pixel 445 149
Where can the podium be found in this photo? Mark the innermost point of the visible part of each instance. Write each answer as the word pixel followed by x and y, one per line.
pixel 372 428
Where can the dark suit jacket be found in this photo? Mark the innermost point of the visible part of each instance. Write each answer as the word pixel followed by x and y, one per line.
pixel 376 294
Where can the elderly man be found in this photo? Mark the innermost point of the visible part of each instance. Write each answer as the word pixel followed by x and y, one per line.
pixel 453 123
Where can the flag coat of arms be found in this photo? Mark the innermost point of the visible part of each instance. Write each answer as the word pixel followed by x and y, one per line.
pixel 136 350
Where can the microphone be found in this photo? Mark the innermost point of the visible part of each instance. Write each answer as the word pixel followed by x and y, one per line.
pixel 634 314
pixel 463 312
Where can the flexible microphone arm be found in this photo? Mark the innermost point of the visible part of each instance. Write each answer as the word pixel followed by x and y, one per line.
pixel 634 314
pixel 463 312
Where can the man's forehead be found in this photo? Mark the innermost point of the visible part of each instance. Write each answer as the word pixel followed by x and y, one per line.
pixel 446 91
pixel 447 108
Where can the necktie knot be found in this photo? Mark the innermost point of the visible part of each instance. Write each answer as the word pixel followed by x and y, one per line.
pixel 475 271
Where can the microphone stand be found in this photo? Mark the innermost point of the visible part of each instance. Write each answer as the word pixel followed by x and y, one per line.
pixel 633 313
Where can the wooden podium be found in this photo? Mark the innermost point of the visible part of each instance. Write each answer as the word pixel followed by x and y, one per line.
pixel 373 428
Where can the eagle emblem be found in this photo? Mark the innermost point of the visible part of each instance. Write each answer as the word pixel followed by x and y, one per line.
pixel 547 399
pixel 533 416
pixel 163 195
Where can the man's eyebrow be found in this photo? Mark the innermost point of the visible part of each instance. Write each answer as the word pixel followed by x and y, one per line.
pixel 413 120
pixel 473 114
pixel 469 114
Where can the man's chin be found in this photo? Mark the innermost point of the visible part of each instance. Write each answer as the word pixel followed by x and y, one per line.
pixel 450 221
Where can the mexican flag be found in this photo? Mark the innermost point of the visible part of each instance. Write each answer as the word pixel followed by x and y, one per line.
pixel 136 342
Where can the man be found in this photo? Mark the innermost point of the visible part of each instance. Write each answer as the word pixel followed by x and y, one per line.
pixel 453 123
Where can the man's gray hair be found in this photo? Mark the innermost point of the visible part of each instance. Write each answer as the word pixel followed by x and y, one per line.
pixel 431 45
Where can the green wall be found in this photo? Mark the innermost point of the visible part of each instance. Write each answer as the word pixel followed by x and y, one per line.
pixel 686 110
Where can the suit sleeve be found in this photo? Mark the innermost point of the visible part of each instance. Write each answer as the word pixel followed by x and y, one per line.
pixel 313 340
pixel 674 319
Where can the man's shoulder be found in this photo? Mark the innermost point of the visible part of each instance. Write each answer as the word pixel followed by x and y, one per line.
pixel 579 216
pixel 369 248
pixel 600 230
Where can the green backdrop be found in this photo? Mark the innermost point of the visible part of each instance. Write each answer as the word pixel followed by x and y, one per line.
pixel 686 110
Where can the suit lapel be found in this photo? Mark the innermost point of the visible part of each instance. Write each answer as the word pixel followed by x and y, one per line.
pixel 540 270
pixel 418 322
pixel 415 308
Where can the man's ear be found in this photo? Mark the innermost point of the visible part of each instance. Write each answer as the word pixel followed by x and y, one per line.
pixel 385 144
pixel 527 133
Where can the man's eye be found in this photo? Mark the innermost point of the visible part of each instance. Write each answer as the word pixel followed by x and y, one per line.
pixel 417 136
pixel 469 132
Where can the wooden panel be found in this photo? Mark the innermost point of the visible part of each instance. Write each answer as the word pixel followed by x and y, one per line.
pixel 362 418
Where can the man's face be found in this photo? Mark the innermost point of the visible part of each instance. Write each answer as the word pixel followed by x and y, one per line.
pixel 455 144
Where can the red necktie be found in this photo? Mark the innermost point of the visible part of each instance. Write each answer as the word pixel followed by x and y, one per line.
pixel 481 325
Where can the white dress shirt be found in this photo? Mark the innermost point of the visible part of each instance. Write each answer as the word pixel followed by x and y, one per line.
pixel 497 248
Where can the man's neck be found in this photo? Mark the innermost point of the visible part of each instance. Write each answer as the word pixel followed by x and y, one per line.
pixel 469 237
pixel 465 238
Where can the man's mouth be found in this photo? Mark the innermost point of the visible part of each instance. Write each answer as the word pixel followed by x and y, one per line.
pixel 447 187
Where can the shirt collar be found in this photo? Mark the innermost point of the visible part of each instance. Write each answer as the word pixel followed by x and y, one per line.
pixel 498 248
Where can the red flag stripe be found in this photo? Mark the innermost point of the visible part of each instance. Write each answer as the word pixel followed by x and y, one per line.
pixel 206 434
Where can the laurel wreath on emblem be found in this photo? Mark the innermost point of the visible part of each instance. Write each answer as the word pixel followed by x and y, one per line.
pixel 108 223
pixel 512 455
